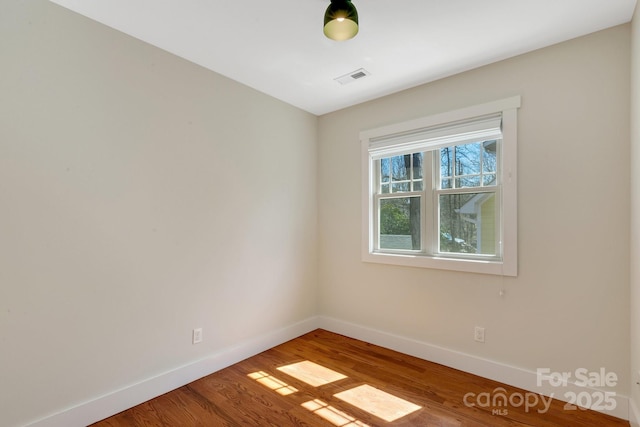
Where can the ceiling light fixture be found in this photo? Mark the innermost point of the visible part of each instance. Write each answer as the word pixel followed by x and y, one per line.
pixel 341 20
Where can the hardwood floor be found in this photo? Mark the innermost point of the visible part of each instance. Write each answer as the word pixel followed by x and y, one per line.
pixel 325 379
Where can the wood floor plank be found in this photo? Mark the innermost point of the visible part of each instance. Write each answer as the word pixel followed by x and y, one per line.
pixel 255 392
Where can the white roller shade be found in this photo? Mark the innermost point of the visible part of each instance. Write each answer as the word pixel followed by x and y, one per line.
pixel 474 130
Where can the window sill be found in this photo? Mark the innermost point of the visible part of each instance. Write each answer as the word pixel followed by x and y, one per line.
pixel 500 268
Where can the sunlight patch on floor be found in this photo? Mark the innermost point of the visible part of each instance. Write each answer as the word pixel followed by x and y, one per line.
pixel 331 414
pixel 273 383
pixel 377 402
pixel 311 373
pixel 365 397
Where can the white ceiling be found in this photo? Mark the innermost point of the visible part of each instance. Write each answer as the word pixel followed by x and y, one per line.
pixel 277 46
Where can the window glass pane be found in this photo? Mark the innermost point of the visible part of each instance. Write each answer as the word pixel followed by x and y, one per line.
pixel 489 158
pixel 467 223
pixel 384 188
pixel 399 167
pixel 400 186
pixel 489 179
pixel 468 181
pixel 468 159
pixel 445 183
pixel 446 160
pixel 400 223
pixel 417 165
pixel 417 185
pixel 384 170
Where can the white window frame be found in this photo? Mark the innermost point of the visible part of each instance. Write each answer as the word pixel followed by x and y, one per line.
pixel 405 134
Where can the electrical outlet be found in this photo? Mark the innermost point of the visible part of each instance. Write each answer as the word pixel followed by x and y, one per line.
pixel 197 335
pixel 478 334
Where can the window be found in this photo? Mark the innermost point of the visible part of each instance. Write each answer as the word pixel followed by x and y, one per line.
pixel 440 192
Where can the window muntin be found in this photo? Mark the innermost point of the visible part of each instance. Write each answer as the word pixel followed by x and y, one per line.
pixel 466 190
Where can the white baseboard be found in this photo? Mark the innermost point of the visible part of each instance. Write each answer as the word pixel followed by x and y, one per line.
pixel 102 407
pixel 517 377
pixel 634 414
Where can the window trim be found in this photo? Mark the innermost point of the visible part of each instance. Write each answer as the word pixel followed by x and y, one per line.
pixel 508 266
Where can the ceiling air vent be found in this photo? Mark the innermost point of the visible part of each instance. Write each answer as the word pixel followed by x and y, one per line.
pixel 352 76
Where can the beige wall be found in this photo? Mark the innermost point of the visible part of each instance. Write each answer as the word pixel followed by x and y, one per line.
pixel 568 308
pixel 635 214
pixel 141 196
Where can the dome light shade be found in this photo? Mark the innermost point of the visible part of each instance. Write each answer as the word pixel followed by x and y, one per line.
pixel 341 20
